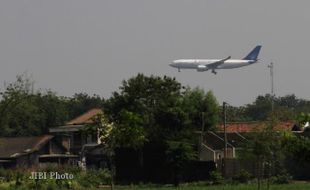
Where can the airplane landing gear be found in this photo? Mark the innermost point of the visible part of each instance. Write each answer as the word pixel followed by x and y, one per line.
pixel 214 72
pixel 179 70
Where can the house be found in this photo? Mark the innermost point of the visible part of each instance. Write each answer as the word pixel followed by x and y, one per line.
pixel 33 151
pixel 212 148
pixel 71 135
pixel 87 146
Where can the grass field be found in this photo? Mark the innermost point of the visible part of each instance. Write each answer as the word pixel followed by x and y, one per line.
pixel 293 186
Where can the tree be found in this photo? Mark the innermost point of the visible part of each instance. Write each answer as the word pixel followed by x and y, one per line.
pixel 259 110
pixel 126 132
pixel 265 148
pixel 163 111
pixel 157 101
pixel 82 102
pixel 297 155
pixel 179 154
pixel 196 102
pixel 303 118
pixel 26 112
pixel 286 108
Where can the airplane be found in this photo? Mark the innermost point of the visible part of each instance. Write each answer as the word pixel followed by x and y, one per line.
pixel 202 65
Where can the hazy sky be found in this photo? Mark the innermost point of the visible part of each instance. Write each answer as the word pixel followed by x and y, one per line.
pixel 90 46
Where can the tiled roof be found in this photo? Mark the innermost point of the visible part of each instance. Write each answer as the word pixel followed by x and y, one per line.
pixel 85 118
pixel 16 146
pixel 243 127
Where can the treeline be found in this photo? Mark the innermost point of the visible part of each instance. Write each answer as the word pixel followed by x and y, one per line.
pixel 25 111
pixel 285 108
pixel 162 104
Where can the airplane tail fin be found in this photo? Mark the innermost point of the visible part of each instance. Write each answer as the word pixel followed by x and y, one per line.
pixel 253 54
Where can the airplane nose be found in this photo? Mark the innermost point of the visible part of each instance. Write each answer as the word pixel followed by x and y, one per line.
pixel 173 64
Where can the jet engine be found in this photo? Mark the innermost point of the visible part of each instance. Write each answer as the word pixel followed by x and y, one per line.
pixel 201 68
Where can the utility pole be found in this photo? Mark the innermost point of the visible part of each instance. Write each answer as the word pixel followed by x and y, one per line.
pixel 270 66
pixel 225 132
pixel 202 130
pixel 225 140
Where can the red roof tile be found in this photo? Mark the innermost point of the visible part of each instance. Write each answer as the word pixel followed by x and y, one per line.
pixel 242 127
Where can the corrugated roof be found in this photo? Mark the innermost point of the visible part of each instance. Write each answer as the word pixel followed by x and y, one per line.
pixel 67 128
pixel 235 139
pixel 214 141
pixel 16 146
pixel 85 118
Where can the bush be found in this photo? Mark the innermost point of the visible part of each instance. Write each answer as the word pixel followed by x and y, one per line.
pixel 281 179
pixel 242 177
pixel 7 175
pixel 216 178
pixel 51 186
pixel 94 178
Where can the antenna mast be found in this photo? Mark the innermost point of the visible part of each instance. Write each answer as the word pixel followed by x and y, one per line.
pixel 270 66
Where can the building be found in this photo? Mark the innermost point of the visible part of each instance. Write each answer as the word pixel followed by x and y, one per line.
pixel 87 146
pixel 66 144
pixel 212 148
pixel 71 135
pixel 33 151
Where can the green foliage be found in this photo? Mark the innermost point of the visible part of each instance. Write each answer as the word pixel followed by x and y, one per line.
pixel 281 179
pixel 196 102
pixel 101 125
pixel 94 178
pixel 17 175
pixel 297 156
pixel 154 101
pixel 165 110
pixel 259 109
pixel 216 178
pixel 19 179
pixel 303 118
pixel 264 148
pixel 26 112
pixel 82 102
pixel 242 177
pixel 129 131
pixel 298 148
pixel 178 155
pixel 286 108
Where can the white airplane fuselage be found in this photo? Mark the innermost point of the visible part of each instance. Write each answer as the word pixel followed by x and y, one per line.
pixel 215 64
pixel 202 64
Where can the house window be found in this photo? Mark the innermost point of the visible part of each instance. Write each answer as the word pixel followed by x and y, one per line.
pixel 77 139
pixel 92 138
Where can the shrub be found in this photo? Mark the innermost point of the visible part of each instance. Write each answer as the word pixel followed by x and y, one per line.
pixel 94 178
pixel 9 175
pixel 281 179
pixel 242 177
pixel 216 178
pixel 51 186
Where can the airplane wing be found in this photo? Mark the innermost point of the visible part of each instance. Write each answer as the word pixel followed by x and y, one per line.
pixel 217 63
